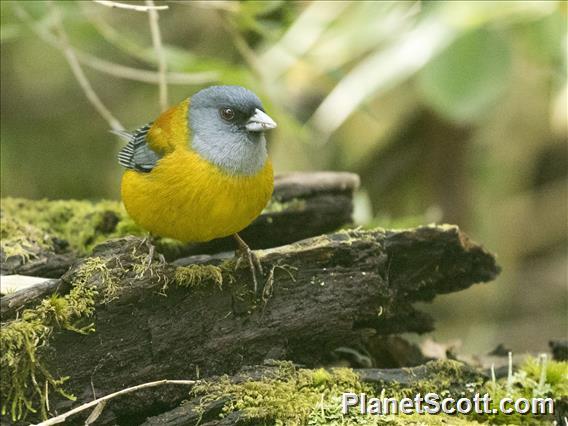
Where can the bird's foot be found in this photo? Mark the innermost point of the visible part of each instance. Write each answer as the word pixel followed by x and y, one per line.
pixel 152 255
pixel 244 252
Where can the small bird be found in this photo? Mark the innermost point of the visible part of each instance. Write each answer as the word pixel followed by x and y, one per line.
pixel 200 171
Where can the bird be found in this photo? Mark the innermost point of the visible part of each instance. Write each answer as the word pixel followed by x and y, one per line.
pixel 201 170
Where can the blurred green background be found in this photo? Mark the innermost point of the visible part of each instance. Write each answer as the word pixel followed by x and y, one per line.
pixel 449 111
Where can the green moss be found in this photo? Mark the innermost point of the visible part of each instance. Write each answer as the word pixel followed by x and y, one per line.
pixel 25 380
pixel 328 412
pixel 293 396
pixel 275 206
pixel 540 376
pixel 197 276
pixel 96 268
pixel 443 376
pixel 142 264
pixel 536 378
pixel 307 397
pixel 321 377
pixel 29 226
pixel 82 224
pixel 202 276
pixel 20 239
pixel 288 398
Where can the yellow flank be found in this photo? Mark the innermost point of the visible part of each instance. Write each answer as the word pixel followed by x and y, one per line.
pixel 187 198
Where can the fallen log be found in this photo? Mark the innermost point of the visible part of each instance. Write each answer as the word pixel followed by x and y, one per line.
pixel 303 205
pixel 11 303
pixel 284 394
pixel 184 322
pixel 204 409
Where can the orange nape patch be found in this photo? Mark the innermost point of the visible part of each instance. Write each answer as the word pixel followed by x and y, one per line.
pixel 170 130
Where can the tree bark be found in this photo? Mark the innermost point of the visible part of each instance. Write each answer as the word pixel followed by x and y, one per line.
pixel 326 292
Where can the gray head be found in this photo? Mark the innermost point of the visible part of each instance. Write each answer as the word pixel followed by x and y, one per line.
pixel 227 128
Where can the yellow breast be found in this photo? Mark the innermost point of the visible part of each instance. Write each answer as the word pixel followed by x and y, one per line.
pixel 189 199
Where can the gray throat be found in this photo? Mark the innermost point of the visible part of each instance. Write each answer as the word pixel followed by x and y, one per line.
pixel 234 151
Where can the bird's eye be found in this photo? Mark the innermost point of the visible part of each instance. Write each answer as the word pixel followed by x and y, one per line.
pixel 227 113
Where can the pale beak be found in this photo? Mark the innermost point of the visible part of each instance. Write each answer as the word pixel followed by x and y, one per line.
pixel 259 122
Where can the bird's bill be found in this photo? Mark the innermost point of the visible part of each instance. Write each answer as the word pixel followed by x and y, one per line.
pixel 259 122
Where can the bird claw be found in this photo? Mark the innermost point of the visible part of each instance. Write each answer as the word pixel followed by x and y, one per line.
pixel 152 253
pixel 244 252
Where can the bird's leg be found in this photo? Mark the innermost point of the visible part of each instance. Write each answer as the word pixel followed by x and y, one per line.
pixel 244 251
pixel 149 241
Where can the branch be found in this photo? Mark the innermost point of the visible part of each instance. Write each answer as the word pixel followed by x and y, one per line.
pixel 113 36
pixel 138 8
pixel 246 52
pixel 111 68
pixel 61 418
pixel 80 75
pixel 160 53
pixel 146 76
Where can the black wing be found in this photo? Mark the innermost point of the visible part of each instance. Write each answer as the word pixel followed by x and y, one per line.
pixel 137 155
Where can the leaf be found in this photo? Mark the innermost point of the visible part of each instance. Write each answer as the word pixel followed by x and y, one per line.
pixel 467 77
pixel 381 71
pixel 95 413
pixel 543 39
pixel 249 16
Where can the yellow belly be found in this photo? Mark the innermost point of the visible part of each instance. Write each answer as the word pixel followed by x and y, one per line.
pixel 189 199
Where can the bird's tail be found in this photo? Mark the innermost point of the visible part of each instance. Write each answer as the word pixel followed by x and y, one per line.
pixel 136 154
pixel 125 135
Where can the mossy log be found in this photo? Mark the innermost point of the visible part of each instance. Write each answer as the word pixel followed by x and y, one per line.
pixel 44 238
pixel 205 409
pixel 199 318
